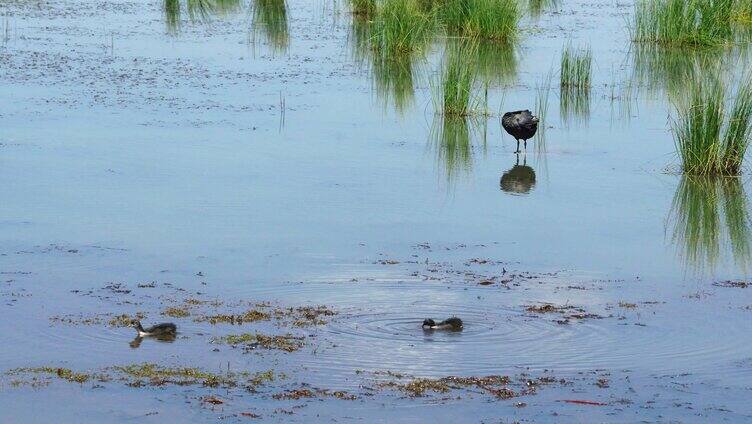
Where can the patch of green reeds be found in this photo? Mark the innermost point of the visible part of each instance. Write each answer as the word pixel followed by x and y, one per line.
pixel 456 95
pixel 400 27
pixel 576 68
pixel 486 19
pixel 683 22
pixel 575 83
pixel 742 12
pixel 270 20
pixel 710 139
pixel 708 214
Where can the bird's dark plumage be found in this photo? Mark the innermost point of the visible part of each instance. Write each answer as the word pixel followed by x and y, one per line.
pixel 453 324
pixel 159 330
pixel 520 124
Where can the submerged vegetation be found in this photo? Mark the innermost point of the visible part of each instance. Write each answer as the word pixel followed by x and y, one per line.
pixel 287 342
pixel 683 22
pixel 711 140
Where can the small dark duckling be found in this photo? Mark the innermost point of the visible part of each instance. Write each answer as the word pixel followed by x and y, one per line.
pixel 165 329
pixel 452 324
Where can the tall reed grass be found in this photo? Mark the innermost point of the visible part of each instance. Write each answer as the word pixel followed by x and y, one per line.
pixel 683 22
pixel 575 83
pixel 457 80
pixel 742 11
pixel 486 19
pixel 710 139
pixel 576 68
pixel 400 27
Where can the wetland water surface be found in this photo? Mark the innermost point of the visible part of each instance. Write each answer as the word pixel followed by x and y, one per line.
pixel 249 169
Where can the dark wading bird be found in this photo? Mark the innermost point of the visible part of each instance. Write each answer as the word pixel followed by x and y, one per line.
pixel 521 125
pixel 164 332
pixel 518 180
pixel 452 324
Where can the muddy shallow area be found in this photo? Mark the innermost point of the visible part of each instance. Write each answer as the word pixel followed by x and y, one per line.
pixel 294 212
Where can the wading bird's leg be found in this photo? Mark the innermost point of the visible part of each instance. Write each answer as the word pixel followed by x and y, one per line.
pixel 525 144
pixel 518 146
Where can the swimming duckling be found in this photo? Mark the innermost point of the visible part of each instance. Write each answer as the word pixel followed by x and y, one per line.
pixel 452 324
pixel 159 330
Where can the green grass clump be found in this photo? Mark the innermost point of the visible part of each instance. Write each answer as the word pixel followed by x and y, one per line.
pixel 575 83
pixel 742 11
pixel 457 81
pixel 576 68
pixel 487 19
pixel 400 27
pixel 710 140
pixel 683 22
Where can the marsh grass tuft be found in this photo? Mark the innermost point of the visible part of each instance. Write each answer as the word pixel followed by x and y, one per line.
pixel 400 27
pixel 576 68
pixel 708 141
pixel 683 22
pixel 486 19
pixel 742 12
pixel 575 83
pixel 454 94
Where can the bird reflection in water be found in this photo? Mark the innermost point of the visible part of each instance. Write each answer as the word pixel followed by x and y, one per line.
pixel 518 180
pixel 136 343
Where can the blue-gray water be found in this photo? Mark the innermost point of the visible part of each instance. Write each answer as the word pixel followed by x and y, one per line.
pixel 132 152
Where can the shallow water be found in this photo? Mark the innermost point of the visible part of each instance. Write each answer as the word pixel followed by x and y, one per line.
pixel 266 161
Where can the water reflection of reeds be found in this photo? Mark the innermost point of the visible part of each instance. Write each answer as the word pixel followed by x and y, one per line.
pixel 453 139
pixel 270 21
pixel 574 104
pixel 667 69
pixel 198 11
pixel 710 215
